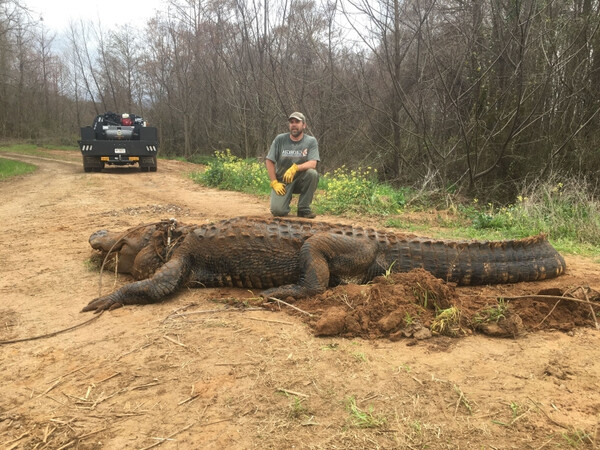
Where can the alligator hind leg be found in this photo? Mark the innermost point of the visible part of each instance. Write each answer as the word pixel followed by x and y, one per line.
pixel 329 257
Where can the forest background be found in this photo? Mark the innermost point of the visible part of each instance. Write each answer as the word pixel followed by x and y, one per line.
pixel 473 97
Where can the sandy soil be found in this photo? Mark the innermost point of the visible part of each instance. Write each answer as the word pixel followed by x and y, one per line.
pixel 209 368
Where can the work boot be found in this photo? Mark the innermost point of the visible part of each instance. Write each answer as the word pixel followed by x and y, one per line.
pixel 307 214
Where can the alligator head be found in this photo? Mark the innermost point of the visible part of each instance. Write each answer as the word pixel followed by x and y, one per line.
pixel 139 251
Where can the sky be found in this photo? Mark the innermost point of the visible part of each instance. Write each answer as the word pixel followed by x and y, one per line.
pixel 58 13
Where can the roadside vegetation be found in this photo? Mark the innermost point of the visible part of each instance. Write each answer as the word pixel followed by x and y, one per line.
pixel 26 149
pixel 35 149
pixel 10 168
pixel 563 208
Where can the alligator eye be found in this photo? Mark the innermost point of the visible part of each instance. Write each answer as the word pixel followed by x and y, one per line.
pixel 98 235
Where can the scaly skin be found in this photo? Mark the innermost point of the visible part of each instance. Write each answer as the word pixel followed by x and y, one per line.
pixel 297 258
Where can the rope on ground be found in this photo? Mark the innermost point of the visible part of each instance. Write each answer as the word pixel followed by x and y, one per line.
pixel 54 333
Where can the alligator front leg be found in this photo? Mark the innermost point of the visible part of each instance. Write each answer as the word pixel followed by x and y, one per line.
pixel 329 255
pixel 164 282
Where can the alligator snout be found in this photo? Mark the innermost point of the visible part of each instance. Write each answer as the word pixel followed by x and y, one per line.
pixel 103 240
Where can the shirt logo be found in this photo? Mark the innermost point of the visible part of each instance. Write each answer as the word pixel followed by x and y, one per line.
pixel 294 153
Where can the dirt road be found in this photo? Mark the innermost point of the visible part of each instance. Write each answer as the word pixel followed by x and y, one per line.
pixel 195 372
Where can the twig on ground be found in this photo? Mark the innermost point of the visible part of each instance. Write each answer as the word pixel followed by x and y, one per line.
pixel 550 297
pixel 47 433
pixel 587 298
pixel 68 373
pixel 56 383
pixel 174 341
pixel 417 380
pixel 548 315
pixel 546 414
pixel 156 444
pixel 209 311
pixel 176 311
pixel 270 321
pixel 134 350
pixel 189 399
pixel 16 439
pixel 242 330
pixel 287 391
pixel 291 306
pixel 462 399
pixel 144 386
pixel 108 378
pixel 78 438
pixel 236 364
pixel 512 422
pixel 67 445
pixel 545 443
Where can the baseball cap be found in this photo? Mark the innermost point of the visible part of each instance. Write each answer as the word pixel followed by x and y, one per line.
pixel 298 116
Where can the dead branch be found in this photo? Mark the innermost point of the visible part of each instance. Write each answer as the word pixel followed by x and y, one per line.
pixel 551 297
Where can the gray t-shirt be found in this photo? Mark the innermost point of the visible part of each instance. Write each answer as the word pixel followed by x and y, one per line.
pixel 284 152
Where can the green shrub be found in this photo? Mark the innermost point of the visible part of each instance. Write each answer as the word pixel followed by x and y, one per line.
pixel 566 211
pixel 227 171
pixel 359 192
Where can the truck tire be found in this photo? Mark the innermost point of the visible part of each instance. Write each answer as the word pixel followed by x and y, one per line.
pixel 92 164
pixel 148 164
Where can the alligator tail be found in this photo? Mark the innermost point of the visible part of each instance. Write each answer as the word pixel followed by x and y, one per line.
pixel 480 262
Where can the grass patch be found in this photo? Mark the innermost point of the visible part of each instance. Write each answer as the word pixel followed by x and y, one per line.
pixel 297 409
pixel 41 151
pixel 491 314
pixel 578 438
pixel 447 322
pixel 26 149
pixel 363 419
pixel 566 211
pixel 66 148
pixel 10 168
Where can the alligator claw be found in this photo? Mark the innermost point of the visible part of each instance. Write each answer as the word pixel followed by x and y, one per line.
pixel 100 304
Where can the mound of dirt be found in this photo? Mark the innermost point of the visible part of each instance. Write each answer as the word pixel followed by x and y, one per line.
pixel 418 305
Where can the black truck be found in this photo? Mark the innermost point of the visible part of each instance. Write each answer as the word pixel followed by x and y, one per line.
pixel 119 139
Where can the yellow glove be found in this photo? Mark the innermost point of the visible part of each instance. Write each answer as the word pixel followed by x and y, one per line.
pixel 288 176
pixel 278 187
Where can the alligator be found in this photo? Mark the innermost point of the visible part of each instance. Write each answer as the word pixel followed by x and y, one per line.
pixel 289 258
